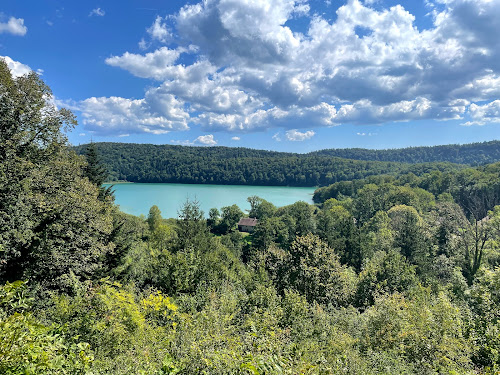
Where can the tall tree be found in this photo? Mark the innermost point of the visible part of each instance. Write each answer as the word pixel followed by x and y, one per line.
pixel 96 172
pixel 51 222
pixel 193 231
pixel 230 217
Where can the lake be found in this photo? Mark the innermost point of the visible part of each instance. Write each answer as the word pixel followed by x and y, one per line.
pixel 137 199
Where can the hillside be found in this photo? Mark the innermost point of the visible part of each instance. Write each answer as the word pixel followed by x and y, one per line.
pixel 240 166
pixel 471 154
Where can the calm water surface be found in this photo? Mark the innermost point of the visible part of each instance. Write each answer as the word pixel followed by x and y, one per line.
pixel 137 199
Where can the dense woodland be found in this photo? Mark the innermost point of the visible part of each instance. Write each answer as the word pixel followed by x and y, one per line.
pixel 471 154
pixel 240 166
pixel 392 275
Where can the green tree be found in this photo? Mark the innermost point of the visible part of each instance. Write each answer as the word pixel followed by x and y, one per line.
pixel 425 330
pixel 409 234
pixel 475 236
pixel 268 231
pixel 314 270
pixel 192 229
pixel 213 218
pixel 154 218
pixel 338 228
pixel 95 171
pixel 29 347
pixel 260 208
pixel 384 273
pixel 51 219
pixel 230 217
pixel 299 218
pixel 376 235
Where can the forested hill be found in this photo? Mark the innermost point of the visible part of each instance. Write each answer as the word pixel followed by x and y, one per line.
pixel 471 154
pixel 240 166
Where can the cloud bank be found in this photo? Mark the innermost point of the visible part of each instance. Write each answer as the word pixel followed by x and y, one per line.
pixel 250 70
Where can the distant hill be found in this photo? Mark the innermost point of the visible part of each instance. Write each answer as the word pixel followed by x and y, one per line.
pixel 241 166
pixel 471 154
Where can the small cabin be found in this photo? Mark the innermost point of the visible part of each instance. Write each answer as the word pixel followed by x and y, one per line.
pixel 247 224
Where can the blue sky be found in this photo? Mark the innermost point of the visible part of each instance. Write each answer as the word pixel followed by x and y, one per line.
pixel 270 74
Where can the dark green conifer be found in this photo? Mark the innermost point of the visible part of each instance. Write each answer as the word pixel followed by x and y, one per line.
pixel 96 172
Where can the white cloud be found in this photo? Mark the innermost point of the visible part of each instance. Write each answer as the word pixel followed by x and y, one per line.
pixel 369 66
pixel 236 138
pixel 82 134
pixel 156 64
pixel 206 140
pixel 125 116
pixel 97 12
pixel 294 135
pixel 143 44
pixel 14 26
pixel 483 114
pixel 182 142
pixel 276 137
pixel 221 29
pixel 16 68
pixel 159 30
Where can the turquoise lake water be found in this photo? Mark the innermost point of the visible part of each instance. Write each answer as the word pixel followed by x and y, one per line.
pixel 137 199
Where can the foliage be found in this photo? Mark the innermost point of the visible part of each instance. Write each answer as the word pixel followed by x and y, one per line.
pixel 387 274
pixel 239 166
pixel 472 154
pixel 52 221
pixel 29 347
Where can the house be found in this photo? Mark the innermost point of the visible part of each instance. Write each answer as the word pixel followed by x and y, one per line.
pixel 247 224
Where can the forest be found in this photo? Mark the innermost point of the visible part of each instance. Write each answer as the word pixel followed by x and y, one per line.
pixel 387 274
pixel 241 166
pixel 471 154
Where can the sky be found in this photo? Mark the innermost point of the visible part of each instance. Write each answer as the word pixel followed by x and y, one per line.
pixel 285 75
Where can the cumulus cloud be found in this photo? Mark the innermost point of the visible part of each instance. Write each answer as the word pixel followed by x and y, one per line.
pixel 206 140
pixel 13 26
pixel 16 68
pixel 97 12
pixel 483 114
pixel 294 135
pixel 251 70
pixel 159 30
pixel 117 115
pixel 157 64
pixel 236 138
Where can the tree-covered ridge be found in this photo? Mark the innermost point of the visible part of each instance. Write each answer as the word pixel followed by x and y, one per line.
pixel 239 166
pixel 476 190
pixel 471 154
